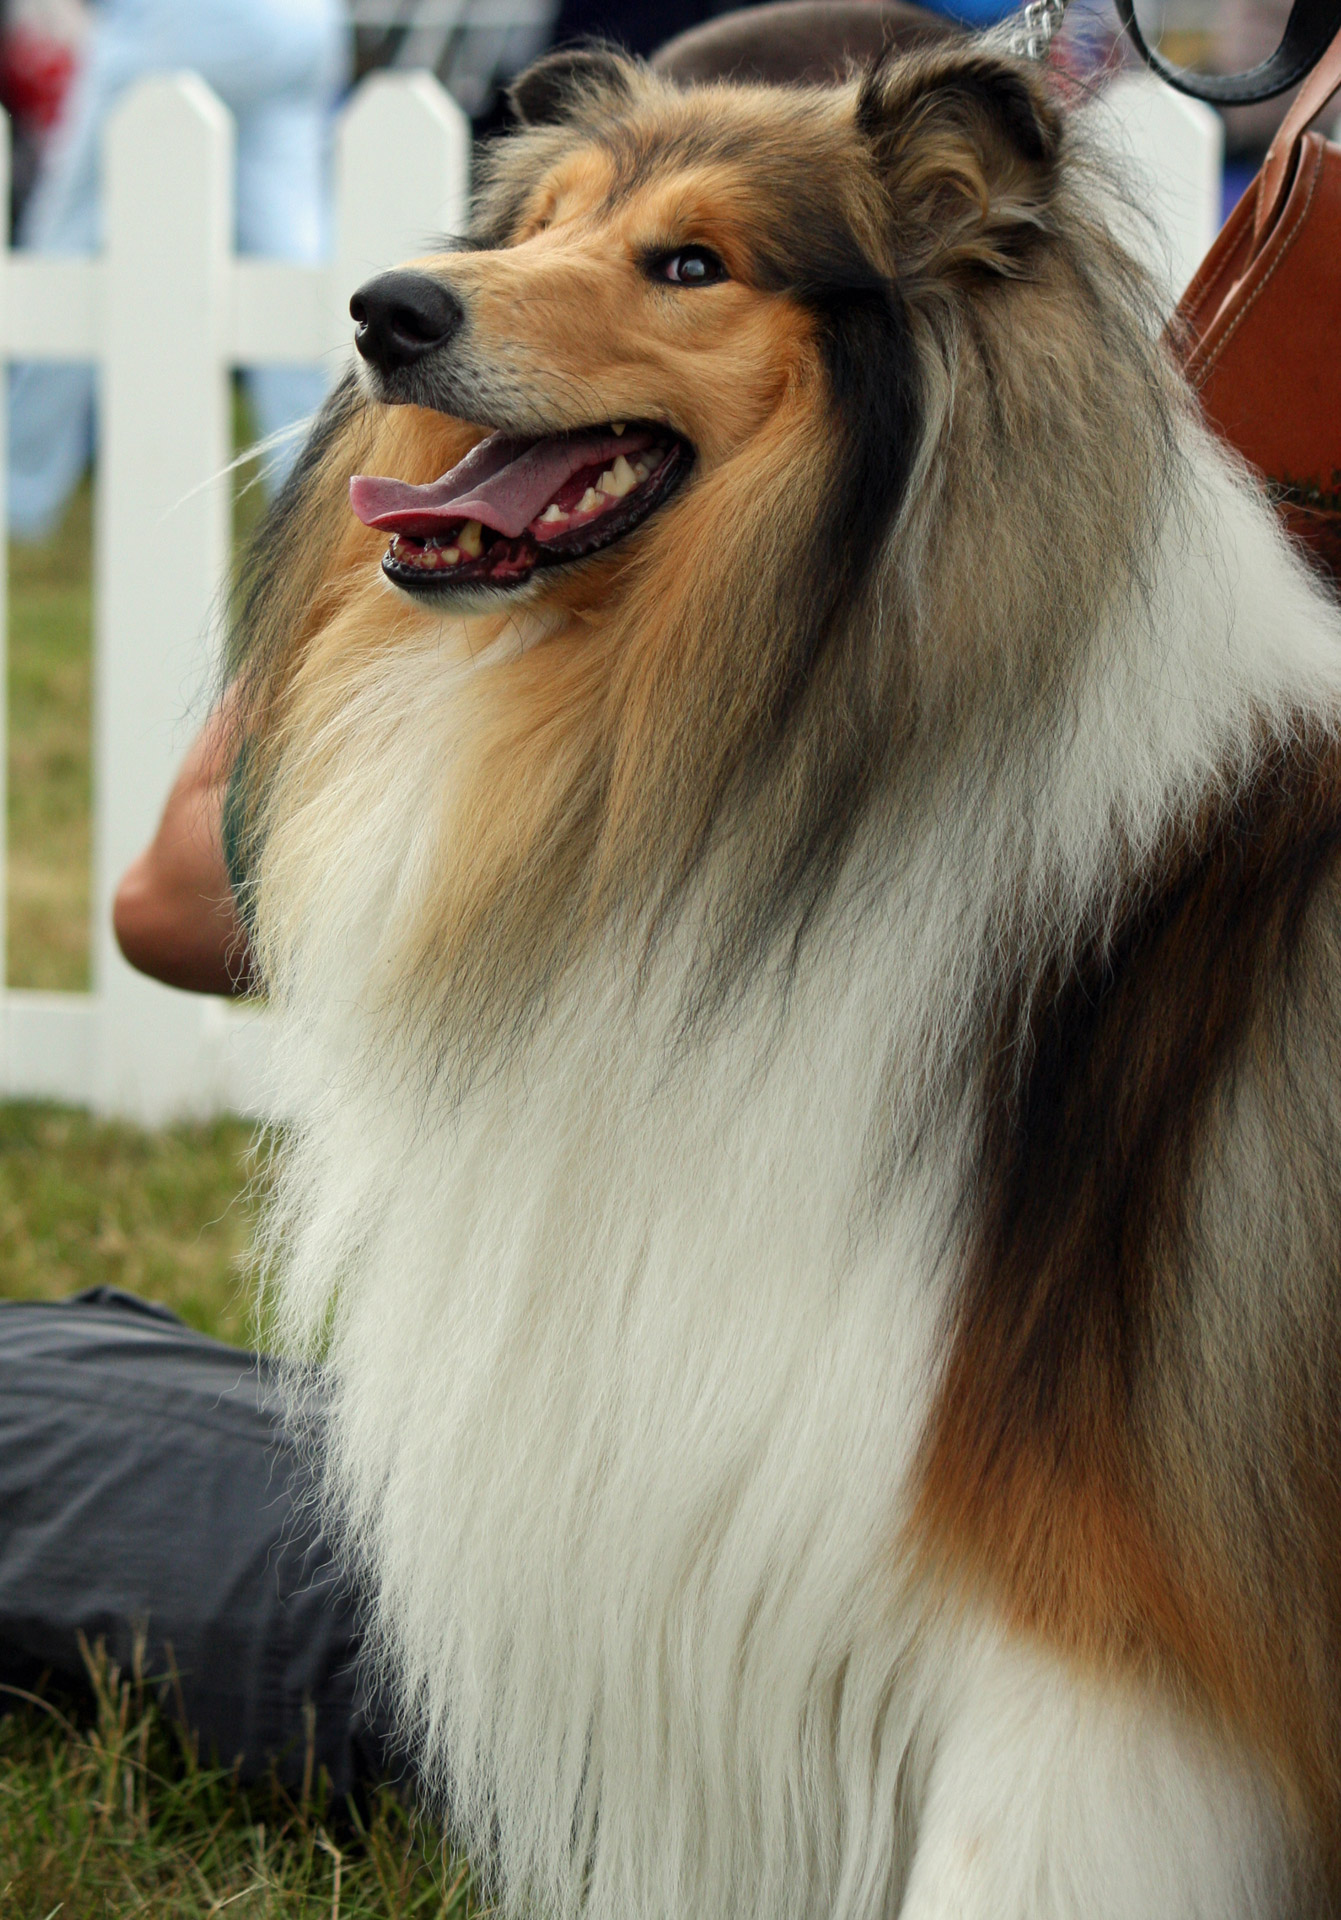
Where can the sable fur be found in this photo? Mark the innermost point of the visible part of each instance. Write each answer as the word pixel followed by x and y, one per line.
pixel 1096 1455
pixel 815 1165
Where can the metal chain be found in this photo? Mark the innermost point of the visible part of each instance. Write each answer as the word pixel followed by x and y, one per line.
pixel 1038 23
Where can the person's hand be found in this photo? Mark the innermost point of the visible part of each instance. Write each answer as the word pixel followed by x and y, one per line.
pixel 174 914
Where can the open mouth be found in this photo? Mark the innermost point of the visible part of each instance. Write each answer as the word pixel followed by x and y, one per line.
pixel 514 506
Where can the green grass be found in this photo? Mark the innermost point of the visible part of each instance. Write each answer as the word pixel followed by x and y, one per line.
pixel 50 680
pixel 104 1814
pixel 111 1817
pixel 86 1203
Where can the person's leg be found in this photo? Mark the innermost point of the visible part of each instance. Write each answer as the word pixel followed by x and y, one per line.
pixel 278 65
pixel 51 405
pixel 50 443
pixel 284 213
pixel 151 1492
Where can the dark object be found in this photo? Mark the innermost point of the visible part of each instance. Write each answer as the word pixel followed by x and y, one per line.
pixel 148 1487
pixel 401 316
pixel 794 41
pixel 1311 27
pixel 638 27
pixel 1258 332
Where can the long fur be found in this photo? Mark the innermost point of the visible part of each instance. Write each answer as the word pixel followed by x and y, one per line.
pixel 817 1153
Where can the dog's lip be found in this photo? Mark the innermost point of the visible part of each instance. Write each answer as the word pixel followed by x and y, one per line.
pixel 503 482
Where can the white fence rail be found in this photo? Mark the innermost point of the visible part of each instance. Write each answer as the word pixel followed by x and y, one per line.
pixel 165 311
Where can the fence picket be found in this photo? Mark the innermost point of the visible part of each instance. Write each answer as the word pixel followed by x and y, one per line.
pixel 402 168
pixel 161 533
pixel 6 294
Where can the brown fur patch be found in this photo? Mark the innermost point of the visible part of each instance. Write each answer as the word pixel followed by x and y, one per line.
pixel 1080 1468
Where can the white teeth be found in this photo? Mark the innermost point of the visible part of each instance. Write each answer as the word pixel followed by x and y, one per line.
pixel 590 501
pixel 551 514
pixel 618 425
pixel 450 556
pixel 640 470
pixel 469 539
pixel 618 480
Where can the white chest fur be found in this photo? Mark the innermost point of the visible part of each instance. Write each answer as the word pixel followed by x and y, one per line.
pixel 629 1383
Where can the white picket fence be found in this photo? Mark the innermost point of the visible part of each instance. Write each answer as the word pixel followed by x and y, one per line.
pixel 166 310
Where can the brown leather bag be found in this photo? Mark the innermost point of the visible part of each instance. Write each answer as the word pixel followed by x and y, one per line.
pixel 1258 331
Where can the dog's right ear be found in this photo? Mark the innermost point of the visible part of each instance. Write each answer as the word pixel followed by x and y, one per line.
pixel 967 143
pixel 557 86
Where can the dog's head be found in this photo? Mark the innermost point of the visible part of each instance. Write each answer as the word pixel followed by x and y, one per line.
pixel 672 293
pixel 804 419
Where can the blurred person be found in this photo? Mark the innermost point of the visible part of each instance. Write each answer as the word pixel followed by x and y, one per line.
pixel 1091 46
pixel 40 42
pixel 279 66
pixel 176 913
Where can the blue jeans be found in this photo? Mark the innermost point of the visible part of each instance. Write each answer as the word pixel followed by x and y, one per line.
pixel 279 66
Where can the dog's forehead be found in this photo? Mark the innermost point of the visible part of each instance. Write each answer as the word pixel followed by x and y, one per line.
pixel 713 148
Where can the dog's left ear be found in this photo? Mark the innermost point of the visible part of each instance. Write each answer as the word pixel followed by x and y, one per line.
pixel 557 86
pixel 966 144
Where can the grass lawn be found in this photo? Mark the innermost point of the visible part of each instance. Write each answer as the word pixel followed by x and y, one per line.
pixel 86 1203
pixel 103 1815
pixel 112 1819
pixel 50 679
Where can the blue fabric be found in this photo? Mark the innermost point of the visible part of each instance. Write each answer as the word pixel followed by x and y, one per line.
pixel 973 13
pixel 279 66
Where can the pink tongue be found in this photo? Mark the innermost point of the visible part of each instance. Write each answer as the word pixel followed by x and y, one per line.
pixel 503 483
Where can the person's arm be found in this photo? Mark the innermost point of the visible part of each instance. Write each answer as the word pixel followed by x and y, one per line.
pixel 174 914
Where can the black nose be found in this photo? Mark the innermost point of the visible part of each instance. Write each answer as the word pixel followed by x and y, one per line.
pixel 402 316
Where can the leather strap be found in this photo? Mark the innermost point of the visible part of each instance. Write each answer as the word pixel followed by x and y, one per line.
pixel 1278 168
pixel 1312 25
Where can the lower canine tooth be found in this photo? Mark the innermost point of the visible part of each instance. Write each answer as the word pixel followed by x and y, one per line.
pixel 469 539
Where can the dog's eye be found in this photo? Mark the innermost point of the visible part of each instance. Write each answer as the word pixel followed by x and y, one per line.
pixel 690 267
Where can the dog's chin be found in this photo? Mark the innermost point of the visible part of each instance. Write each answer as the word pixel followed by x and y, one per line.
pixel 557 503
pixel 465 599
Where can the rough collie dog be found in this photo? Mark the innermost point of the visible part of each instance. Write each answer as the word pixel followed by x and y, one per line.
pixel 796 830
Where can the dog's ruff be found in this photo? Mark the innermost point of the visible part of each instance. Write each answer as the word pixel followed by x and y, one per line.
pixel 820 1229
